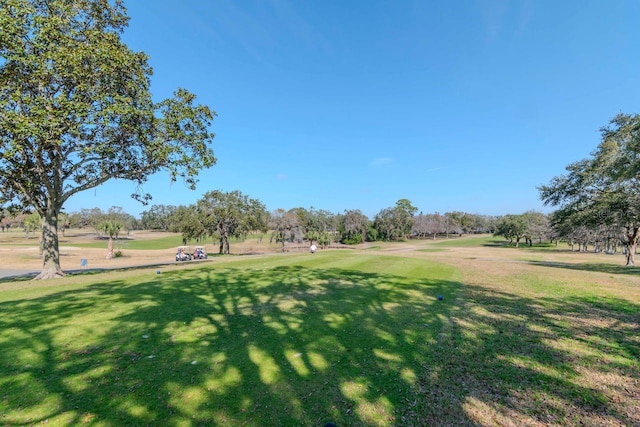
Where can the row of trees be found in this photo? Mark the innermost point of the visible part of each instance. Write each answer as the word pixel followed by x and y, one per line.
pixel 599 196
pixel 76 111
pixel 530 226
pixel 222 215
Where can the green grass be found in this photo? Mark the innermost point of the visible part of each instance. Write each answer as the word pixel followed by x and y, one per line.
pixel 166 242
pixel 466 241
pixel 277 341
pixel 299 340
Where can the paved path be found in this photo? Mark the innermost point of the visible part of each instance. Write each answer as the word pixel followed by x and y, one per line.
pixel 4 273
pixel 9 273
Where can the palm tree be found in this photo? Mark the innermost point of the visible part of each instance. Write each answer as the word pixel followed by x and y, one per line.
pixel 110 228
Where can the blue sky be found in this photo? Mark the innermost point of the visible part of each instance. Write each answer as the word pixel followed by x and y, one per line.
pixel 333 104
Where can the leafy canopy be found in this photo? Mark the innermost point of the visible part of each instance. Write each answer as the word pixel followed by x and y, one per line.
pixel 603 190
pixel 76 111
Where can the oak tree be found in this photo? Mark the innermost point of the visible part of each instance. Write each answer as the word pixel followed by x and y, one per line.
pixel 76 111
pixel 233 214
pixel 604 189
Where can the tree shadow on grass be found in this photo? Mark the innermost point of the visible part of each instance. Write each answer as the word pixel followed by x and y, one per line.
pixel 521 361
pixel 292 346
pixel 590 266
pixel 281 346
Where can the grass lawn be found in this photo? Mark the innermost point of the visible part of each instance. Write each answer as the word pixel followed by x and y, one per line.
pixel 166 242
pixel 151 243
pixel 353 337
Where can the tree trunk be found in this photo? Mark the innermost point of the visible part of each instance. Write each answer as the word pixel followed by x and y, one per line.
pixel 110 248
pixel 50 248
pixel 633 233
pixel 224 245
pixel 630 255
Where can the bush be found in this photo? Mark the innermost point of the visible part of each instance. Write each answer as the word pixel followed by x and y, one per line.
pixel 354 239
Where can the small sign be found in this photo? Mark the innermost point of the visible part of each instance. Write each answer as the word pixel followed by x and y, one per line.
pixel 83 262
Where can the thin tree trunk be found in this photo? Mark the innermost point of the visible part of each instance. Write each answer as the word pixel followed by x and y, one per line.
pixel 110 248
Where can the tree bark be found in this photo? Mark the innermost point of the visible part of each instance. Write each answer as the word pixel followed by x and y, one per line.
pixel 50 248
pixel 110 248
pixel 633 233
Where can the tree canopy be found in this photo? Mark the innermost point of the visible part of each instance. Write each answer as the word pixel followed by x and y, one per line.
pixel 285 226
pixel 76 111
pixel 396 222
pixel 224 215
pixel 603 190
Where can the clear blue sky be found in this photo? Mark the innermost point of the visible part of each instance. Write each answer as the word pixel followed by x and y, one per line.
pixel 454 105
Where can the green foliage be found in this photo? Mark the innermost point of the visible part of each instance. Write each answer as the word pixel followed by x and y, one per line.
pixel 230 214
pixel 158 217
pixel 316 225
pixel 395 223
pixel 186 220
pixel 352 239
pixel 109 227
pixel 324 239
pixel 32 223
pixel 285 227
pixel 603 190
pixel 459 222
pixel 76 111
pixel 353 226
pixel 529 225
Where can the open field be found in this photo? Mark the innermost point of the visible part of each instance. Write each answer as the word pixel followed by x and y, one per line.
pixel 521 337
pixel 19 255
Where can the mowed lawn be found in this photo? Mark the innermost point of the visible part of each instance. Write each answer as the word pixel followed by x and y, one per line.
pixel 350 337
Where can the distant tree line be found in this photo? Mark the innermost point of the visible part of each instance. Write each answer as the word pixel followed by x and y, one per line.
pixel 222 215
pixel 598 200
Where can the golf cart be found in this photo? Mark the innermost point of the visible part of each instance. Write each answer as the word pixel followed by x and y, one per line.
pixel 183 254
pixel 200 253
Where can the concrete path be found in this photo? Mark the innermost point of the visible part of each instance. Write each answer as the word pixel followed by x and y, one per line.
pixel 4 273
pixel 10 273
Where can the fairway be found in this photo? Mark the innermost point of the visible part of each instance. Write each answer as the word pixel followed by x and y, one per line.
pixel 353 337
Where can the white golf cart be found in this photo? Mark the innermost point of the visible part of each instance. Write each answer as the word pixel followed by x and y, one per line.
pixel 183 253
pixel 200 253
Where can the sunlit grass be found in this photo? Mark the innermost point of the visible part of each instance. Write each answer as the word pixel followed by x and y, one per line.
pixel 354 338
pixel 166 242
pixel 469 240
pixel 276 345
